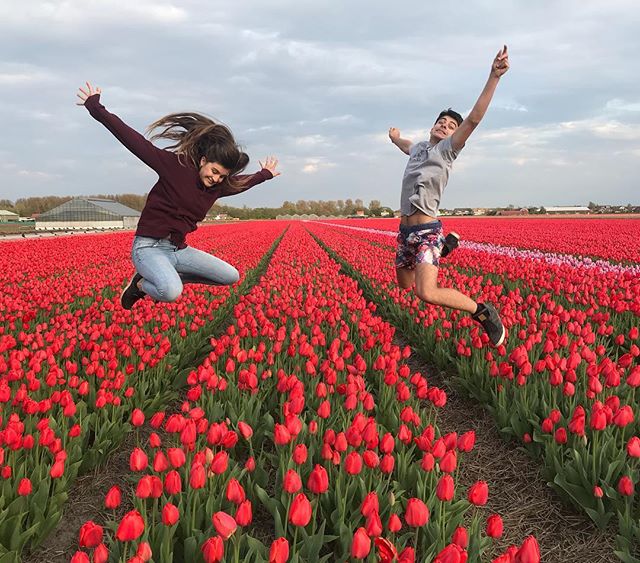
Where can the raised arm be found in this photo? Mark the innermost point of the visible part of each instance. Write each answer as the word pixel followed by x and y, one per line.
pixel 245 182
pixel 499 66
pixel 403 144
pixel 145 150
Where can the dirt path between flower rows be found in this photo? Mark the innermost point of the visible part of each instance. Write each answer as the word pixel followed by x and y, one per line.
pixel 517 488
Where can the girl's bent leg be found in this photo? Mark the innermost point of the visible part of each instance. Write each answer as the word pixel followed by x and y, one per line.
pixel 154 261
pixel 196 266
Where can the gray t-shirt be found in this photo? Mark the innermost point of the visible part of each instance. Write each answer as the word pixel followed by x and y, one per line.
pixel 426 176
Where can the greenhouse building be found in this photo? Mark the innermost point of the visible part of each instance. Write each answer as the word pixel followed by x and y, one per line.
pixel 88 213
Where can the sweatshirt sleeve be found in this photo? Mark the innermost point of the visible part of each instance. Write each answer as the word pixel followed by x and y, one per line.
pixel 247 181
pixel 145 150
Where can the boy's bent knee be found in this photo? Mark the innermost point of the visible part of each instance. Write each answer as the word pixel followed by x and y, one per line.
pixel 427 295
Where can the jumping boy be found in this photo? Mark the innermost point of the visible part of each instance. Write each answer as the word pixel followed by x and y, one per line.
pixel 420 240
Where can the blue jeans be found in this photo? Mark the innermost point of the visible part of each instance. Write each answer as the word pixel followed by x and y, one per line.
pixel 165 268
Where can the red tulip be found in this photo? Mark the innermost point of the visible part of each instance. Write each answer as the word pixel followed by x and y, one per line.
pixel 57 470
pixel 131 526
pixel 387 552
pixel 494 526
pixel 244 514
pixel 374 525
pixel 416 514
pixel 623 417
pixel 460 537
pixel 451 554
pixel 300 454
pixel 467 441
pixel 633 447
pixel 173 483
pixel 138 460
pixel 213 550
pixel 160 462
pixel 370 505
pixel 576 426
pixel 80 557
pixel 144 551
pixel 137 417
pixel 113 498
pixel 292 483
pixel 529 552
pixel 625 486
pixel 300 513
pixel 170 514
pixel 245 430
pixel 478 493
pixel 101 554
pixel 445 488
pixel 318 482
pixel 235 492
pixel 176 457
pixel 449 462
pixel 387 463
pixel 281 435
pixel 395 524
pixel 144 488
pixel 353 463
pixel 408 555
pixel 279 552
pixel 24 487
pixel 361 544
pixel 224 524
pixel 220 463
pixel 90 534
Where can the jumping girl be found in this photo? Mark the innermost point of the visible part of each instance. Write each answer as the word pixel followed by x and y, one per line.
pixel 201 166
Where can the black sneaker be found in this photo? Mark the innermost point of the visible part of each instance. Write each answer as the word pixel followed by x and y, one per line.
pixel 132 293
pixel 488 317
pixel 450 244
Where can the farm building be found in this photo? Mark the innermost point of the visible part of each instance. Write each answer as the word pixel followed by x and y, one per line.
pixel 8 216
pixel 567 209
pixel 88 213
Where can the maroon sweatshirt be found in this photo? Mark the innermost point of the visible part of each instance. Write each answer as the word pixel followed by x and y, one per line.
pixel 179 199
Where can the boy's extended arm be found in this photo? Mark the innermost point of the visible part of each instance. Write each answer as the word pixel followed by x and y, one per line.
pixel 499 66
pixel 403 144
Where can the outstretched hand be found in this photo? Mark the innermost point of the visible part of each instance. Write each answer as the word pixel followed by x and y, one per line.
pixel 84 94
pixel 394 134
pixel 270 164
pixel 500 64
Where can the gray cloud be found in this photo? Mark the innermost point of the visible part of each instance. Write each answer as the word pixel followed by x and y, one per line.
pixel 319 83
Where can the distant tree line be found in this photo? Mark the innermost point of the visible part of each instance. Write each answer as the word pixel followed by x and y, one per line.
pixel 340 208
pixel 26 207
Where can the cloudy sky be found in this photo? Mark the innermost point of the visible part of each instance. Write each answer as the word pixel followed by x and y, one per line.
pixel 318 84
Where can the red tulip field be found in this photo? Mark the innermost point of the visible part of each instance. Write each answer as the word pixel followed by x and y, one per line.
pixel 298 415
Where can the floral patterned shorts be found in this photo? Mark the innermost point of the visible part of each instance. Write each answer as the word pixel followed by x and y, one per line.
pixel 419 244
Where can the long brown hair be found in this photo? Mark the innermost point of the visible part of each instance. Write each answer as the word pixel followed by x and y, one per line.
pixel 196 136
